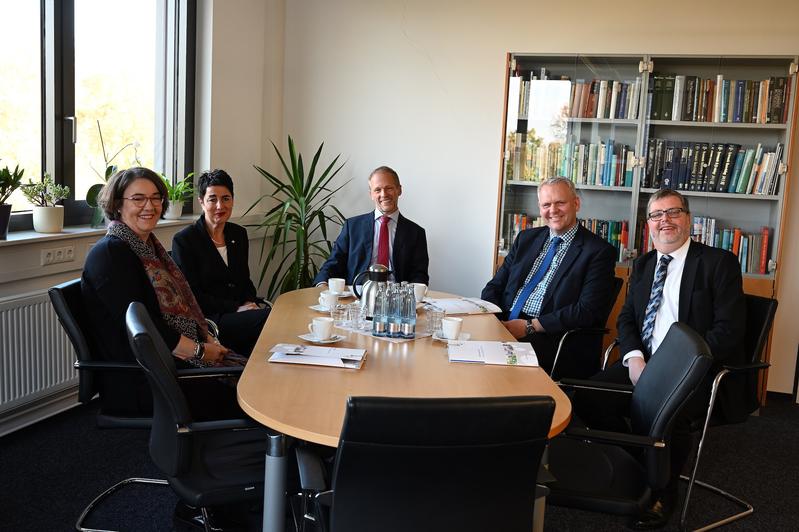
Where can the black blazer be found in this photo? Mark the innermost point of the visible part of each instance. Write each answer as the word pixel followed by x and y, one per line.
pixel 352 251
pixel 219 288
pixel 711 302
pixel 580 294
pixel 113 277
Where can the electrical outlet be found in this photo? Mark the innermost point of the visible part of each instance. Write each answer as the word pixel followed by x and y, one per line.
pixel 57 255
pixel 69 253
pixel 47 257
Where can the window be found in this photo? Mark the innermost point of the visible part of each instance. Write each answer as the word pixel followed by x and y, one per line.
pixel 123 67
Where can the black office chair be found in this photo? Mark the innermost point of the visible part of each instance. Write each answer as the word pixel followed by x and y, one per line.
pixel 585 340
pixel 465 464
pixel 207 463
pixel 760 313
pixel 92 369
pixel 602 470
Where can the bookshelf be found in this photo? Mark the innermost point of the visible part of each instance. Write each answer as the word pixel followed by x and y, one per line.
pixel 622 126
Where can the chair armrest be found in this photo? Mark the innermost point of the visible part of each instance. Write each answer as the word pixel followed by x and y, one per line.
pixel 193 373
pixel 312 470
pixel 584 331
pixel 222 424
pixel 742 368
pixel 615 438
pixel 102 365
pixel 596 385
pixel 325 498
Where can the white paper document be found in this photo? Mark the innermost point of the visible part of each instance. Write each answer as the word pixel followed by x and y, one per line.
pixel 500 353
pixel 463 305
pixel 336 357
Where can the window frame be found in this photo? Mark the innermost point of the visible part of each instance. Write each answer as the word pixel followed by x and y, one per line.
pixel 174 116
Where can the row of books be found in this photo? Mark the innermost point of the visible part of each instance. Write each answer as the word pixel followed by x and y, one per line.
pixel 712 167
pixel 602 98
pixel 616 232
pixel 752 249
pixel 603 164
pixel 696 99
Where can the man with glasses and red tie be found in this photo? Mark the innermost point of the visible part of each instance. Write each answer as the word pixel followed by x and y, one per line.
pixel 383 236
pixel 554 279
pixel 680 280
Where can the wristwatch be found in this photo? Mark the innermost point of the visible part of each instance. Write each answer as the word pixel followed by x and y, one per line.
pixel 529 329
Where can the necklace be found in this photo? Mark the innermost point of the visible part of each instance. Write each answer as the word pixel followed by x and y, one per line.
pixel 215 241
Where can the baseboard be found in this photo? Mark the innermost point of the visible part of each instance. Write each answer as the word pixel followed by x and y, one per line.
pixel 36 411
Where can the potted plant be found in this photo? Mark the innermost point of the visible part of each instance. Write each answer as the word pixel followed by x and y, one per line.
pixel 110 169
pixel 296 227
pixel 9 182
pixel 177 195
pixel 47 216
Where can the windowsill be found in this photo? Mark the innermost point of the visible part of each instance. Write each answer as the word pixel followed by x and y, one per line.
pixel 81 231
pixel 29 237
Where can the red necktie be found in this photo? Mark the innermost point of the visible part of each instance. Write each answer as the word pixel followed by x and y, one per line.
pixel 382 242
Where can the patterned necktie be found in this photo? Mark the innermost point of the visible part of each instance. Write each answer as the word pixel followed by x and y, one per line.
pixel 655 298
pixel 382 242
pixel 539 274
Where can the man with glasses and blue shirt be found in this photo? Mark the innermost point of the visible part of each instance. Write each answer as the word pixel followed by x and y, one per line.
pixel 680 280
pixel 554 279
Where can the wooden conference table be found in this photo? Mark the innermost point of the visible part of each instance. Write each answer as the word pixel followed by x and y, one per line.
pixel 308 402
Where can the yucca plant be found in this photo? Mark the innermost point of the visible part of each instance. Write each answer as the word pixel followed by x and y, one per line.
pixel 297 227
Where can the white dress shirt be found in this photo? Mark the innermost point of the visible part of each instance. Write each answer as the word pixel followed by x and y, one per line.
pixel 669 310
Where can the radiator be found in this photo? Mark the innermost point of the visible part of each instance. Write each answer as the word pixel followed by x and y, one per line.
pixel 35 354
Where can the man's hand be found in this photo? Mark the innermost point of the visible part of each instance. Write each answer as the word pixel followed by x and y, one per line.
pixel 518 328
pixel 636 366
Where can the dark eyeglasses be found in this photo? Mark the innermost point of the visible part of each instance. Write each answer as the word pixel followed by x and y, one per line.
pixel 140 200
pixel 672 213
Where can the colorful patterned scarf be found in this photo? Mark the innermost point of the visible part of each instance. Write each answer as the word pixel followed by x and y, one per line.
pixel 179 308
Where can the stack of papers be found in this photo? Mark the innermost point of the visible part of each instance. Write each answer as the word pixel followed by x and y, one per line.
pixel 336 357
pixel 500 353
pixel 463 305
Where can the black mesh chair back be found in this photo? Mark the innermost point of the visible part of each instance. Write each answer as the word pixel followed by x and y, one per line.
pixel 760 313
pixel 604 471
pixel 208 463
pixel 465 464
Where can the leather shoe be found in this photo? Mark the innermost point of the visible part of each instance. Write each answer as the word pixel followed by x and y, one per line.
pixel 657 515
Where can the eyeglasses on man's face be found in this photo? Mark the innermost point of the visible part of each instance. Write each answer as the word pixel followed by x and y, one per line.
pixel 140 200
pixel 674 212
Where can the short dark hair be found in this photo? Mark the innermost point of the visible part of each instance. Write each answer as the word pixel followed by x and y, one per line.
pixel 110 197
pixel 386 170
pixel 213 178
pixel 666 193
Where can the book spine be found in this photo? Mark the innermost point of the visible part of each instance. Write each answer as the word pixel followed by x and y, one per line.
pixel 668 98
pixel 717 98
pixel 764 236
pixel 679 93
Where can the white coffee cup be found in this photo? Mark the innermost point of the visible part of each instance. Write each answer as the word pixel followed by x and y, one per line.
pixel 451 327
pixel 328 299
pixel 419 290
pixel 336 284
pixel 321 328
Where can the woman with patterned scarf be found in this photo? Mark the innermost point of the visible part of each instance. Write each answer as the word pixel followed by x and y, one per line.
pixel 130 264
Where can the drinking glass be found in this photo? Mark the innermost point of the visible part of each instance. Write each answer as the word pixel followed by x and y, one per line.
pixel 434 318
pixel 339 315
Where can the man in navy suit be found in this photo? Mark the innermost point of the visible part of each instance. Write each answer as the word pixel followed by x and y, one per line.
pixel 701 286
pixel 574 290
pixel 404 244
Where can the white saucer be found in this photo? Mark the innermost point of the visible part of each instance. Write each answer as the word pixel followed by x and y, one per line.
pixel 320 308
pixel 345 293
pixel 311 338
pixel 461 337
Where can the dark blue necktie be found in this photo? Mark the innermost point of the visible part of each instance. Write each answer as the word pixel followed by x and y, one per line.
pixel 655 298
pixel 539 274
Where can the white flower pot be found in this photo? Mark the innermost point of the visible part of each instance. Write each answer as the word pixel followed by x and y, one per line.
pixel 48 219
pixel 174 210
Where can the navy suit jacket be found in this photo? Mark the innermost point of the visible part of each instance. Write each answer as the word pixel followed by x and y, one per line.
pixel 219 288
pixel 711 302
pixel 579 295
pixel 352 251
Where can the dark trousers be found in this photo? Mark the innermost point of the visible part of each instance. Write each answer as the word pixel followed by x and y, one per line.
pixel 240 330
pixel 611 411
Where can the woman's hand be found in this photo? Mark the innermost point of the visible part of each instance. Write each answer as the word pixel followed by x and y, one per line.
pixel 248 306
pixel 214 352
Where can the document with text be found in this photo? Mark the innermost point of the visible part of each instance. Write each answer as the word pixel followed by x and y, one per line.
pixel 337 357
pixel 499 353
pixel 462 305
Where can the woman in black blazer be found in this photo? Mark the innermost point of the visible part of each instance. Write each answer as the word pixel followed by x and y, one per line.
pixel 213 254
